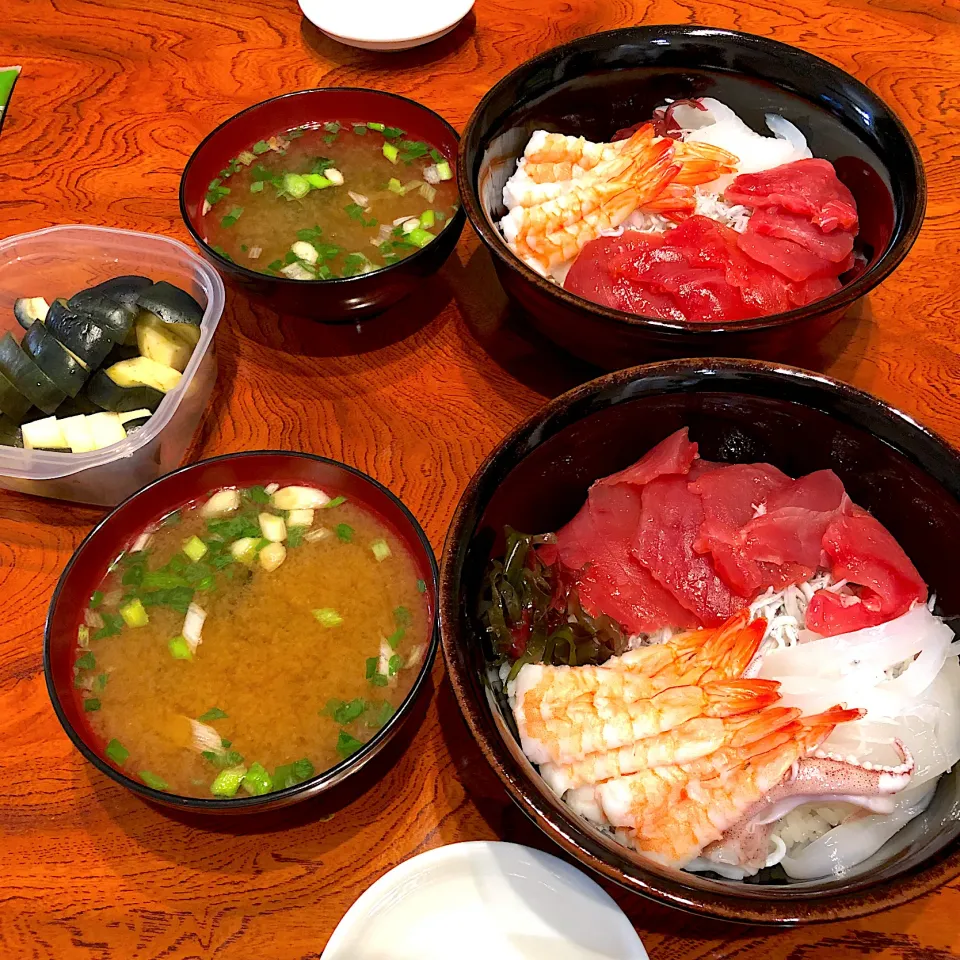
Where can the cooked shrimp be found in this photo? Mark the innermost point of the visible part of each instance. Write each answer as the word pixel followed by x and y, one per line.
pixel 575 154
pixel 677 831
pixel 702 162
pixel 590 724
pixel 700 738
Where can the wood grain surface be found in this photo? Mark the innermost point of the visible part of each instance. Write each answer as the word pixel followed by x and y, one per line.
pixel 113 98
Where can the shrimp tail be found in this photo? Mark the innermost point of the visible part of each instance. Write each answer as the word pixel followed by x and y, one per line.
pixel 727 698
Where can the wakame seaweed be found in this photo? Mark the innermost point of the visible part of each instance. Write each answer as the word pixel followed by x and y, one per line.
pixel 532 614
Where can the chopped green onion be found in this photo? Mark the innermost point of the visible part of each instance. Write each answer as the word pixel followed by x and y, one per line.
pixel 317 181
pixel 180 649
pixel 256 186
pixel 246 548
pixel 381 550
pixel 421 586
pixel 87 662
pixel 327 617
pixel 228 782
pixel 391 152
pixel 335 502
pixel 427 218
pixel 207 583
pixel 83 635
pixel 91 704
pixel 102 681
pixel 401 617
pixel 444 171
pixel 378 680
pixel 391 132
pixel 195 549
pixel 152 780
pixel 346 712
pixel 436 156
pixel 345 532
pixel 295 185
pixel 117 752
pixel 214 713
pixel 332 127
pixel 291 774
pixel 384 712
pixel 258 781
pixel 372 667
pixel 360 129
pixel 96 599
pixel 134 614
pixel 420 237
pixel 395 186
pixel 394 639
pixel 222 760
pixel 295 536
pixel 260 147
pixel 379 127
pixel 232 217
pixel 347 745
pixel 394 664
pixel 112 625
pixel 257 494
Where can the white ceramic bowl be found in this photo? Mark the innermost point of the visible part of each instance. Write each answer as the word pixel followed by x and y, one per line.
pixel 385 25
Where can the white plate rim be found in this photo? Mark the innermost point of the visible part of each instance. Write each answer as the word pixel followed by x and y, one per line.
pixel 570 875
pixel 436 31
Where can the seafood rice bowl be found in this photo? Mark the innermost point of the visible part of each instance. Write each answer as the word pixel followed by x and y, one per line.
pixel 727 669
pixel 691 216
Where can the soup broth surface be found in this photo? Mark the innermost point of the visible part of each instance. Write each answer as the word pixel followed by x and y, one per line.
pixel 297 666
pixel 326 201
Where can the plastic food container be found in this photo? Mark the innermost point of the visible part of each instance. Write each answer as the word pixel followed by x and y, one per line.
pixel 58 262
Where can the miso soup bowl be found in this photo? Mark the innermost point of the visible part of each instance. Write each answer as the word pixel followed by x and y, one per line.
pixel 329 301
pixel 603 82
pixel 738 411
pixel 121 527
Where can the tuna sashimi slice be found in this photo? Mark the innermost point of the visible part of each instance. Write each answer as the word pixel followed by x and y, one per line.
pixel 860 549
pixel 675 454
pixel 786 257
pixel 670 522
pixel 806 187
pixel 836 246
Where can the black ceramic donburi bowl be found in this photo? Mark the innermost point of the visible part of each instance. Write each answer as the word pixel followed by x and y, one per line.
pixel 601 83
pixel 126 522
pixel 738 411
pixel 342 299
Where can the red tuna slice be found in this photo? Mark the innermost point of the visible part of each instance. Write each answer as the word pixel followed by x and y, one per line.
pixel 670 522
pixel 596 544
pixel 589 276
pixel 731 498
pixel 812 290
pixel 863 551
pixel 806 187
pixel 675 454
pixel 835 247
pixel 786 257
pixel 700 467
pixel 795 518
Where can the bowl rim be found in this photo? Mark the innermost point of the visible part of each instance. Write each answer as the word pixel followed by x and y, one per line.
pixel 315 784
pixel 465 5
pixel 563 826
pixel 231 266
pixel 874 275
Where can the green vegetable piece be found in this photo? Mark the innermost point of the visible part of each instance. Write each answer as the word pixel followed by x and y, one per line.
pixel 420 237
pixel 378 680
pixel 391 152
pixel 421 586
pixel 395 186
pixel 317 181
pixel 171 519
pixel 344 713
pixel 401 616
pixel 435 155
pixel 372 667
pixel 228 781
pixel 332 127
pixel 117 752
pixel 112 625
pixel 180 649
pixel 345 532
pixel 91 704
pixel 102 681
pixel 207 583
pixel 295 536
pixel 394 664
pixel 133 613
pixel 222 760
pixel 377 126
pixel 162 580
pixel 260 147
pixel 257 494
pixel 444 171
pixel 381 715
pixel 381 550
pixel 347 745
pixel 427 219
pixel 96 599
pixel 335 502
pixel 232 217
pixel 258 781
pixel 360 130
pixel 295 185
pixel 152 780
pixel 291 774
pixel 214 713
pixel 195 549
pixel 327 617
pixel 392 132
pixel 256 186
pixel 87 662
pixel 394 639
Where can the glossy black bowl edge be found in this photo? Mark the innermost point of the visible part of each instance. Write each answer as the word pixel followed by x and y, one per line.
pixel 470 157
pixel 252 277
pixel 930 451
pixel 301 791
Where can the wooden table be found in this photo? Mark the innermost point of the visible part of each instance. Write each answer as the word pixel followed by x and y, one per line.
pixel 114 96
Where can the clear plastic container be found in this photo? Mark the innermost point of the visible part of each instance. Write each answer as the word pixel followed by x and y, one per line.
pixel 60 261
